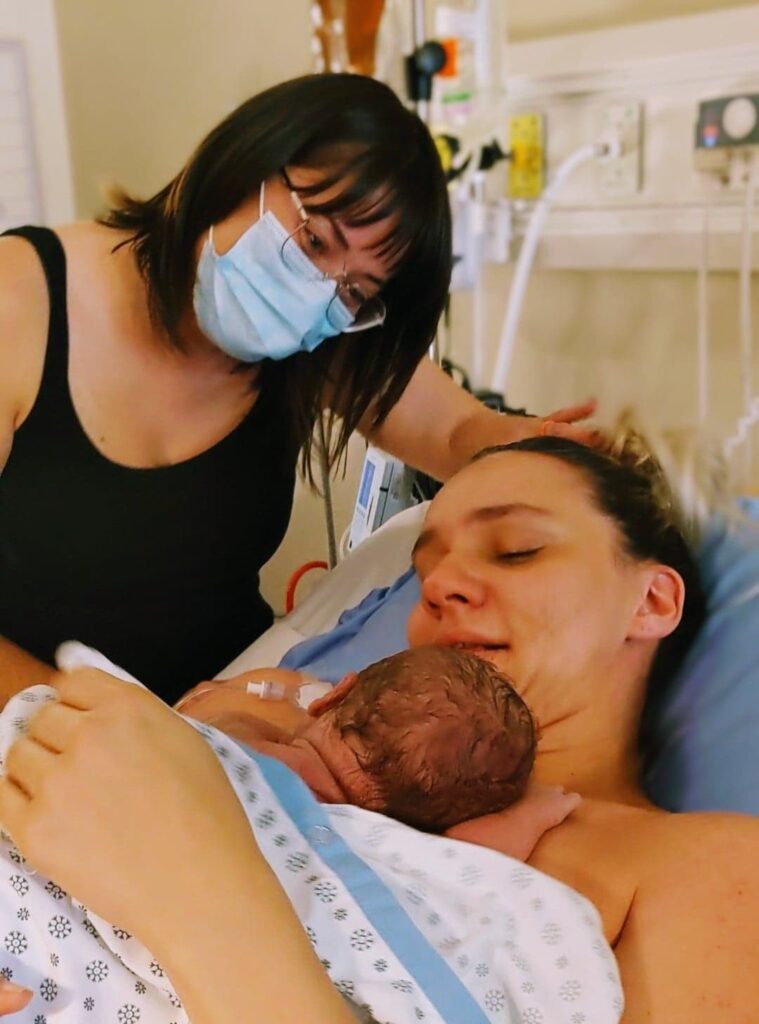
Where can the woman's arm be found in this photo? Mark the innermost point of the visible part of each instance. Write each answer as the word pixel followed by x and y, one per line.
pixel 436 426
pixel 19 669
pixel 243 955
pixel 109 775
pixel 689 949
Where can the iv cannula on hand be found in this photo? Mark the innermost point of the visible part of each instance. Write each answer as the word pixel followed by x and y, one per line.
pixel 299 696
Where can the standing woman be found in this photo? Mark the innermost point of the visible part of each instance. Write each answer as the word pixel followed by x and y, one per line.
pixel 162 369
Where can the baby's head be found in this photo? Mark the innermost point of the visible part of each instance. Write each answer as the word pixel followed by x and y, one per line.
pixel 436 736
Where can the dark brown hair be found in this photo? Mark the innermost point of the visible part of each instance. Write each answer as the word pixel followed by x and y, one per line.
pixel 357 131
pixel 442 734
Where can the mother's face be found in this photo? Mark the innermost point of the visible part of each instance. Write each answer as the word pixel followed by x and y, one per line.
pixel 517 563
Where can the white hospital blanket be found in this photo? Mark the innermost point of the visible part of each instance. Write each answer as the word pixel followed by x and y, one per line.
pixel 413 927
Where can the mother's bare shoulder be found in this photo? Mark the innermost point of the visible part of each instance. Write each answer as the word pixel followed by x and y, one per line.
pixel 689 949
pixel 685 843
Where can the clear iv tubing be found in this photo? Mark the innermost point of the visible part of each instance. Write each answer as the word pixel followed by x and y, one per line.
pixel 479 311
pixel 527 256
pixel 745 423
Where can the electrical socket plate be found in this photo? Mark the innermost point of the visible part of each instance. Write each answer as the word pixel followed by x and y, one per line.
pixel 527 156
pixel 498 231
pixel 622 175
pixel 727 136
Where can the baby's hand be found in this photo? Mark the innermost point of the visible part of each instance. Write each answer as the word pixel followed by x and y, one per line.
pixel 517 830
pixel 547 806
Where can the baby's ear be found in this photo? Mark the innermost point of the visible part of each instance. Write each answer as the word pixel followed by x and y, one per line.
pixel 334 697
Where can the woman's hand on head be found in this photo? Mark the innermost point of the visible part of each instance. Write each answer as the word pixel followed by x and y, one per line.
pixel 568 422
pixel 484 428
pixel 105 789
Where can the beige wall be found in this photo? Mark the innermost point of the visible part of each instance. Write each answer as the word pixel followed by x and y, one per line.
pixel 144 79
pixel 530 19
pixel 627 338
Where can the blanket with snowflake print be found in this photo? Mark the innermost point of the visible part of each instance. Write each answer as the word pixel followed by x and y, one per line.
pixel 410 927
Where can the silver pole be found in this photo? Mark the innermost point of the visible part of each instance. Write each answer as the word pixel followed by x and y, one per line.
pixel 329 512
pixel 419 37
pixel 418 27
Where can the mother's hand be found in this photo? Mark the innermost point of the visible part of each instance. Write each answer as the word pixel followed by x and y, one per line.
pixel 286 677
pixel 224 701
pixel 106 789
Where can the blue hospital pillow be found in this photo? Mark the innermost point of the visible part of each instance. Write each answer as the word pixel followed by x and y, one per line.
pixel 374 629
pixel 705 733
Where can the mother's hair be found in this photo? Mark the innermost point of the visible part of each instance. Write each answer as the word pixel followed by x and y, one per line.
pixel 629 486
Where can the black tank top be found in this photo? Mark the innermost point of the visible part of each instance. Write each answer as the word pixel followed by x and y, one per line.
pixel 156 568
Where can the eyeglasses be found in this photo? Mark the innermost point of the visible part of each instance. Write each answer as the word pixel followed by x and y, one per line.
pixel 310 239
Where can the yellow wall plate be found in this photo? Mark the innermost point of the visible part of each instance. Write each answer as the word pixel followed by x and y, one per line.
pixel 527 146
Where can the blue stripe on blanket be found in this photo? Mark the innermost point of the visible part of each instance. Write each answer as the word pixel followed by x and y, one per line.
pixel 439 983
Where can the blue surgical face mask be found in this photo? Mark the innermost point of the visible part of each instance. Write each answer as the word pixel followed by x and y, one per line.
pixel 254 306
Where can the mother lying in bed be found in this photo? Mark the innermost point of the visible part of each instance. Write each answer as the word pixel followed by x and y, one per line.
pixel 569 571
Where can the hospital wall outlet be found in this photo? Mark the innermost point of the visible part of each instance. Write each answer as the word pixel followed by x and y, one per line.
pixel 727 138
pixel 620 172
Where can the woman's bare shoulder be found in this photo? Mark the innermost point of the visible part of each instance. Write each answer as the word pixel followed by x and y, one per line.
pixel 688 839
pixel 23 333
pixel 22 279
pixel 689 949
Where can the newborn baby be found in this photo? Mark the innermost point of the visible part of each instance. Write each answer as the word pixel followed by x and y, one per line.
pixel 432 737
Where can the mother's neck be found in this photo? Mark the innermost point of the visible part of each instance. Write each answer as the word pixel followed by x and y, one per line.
pixel 593 750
